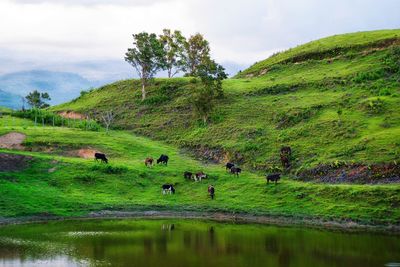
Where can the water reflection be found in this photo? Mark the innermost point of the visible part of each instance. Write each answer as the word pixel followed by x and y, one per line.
pixel 189 243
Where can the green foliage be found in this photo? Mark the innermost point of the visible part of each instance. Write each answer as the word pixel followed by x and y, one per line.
pixel 146 56
pixel 38 100
pixel 211 75
pixel 197 50
pixel 41 116
pixel 174 51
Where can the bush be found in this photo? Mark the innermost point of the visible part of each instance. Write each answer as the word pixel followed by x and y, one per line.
pixel 51 118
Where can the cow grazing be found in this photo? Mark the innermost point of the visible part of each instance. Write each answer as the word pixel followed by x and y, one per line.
pixel 229 165
pixel 100 156
pixel 167 189
pixel 211 191
pixel 285 161
pixel 163 159
pixel 273 177
pixel 148 162
pixel 188 175
pixel 236 170
pixel 200 175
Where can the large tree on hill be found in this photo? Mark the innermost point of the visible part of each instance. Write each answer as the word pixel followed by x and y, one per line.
pixel 197 50
pixel 174 48
pixel 38 100
pixel 146 56
pixel 211 75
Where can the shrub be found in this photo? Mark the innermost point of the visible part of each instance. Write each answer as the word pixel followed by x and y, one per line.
pixel 51 118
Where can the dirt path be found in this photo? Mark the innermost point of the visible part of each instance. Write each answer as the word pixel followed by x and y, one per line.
pixel 12 140
pixel 72 115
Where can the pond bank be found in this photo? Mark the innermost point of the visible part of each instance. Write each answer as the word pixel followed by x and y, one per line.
pixel 347 226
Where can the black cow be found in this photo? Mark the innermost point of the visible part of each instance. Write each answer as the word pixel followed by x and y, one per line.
pixel 167 188
pixel 211 191
pixel 229 166
pixel 273 177
pixel 100 156
pixel 236 170
pixel 163 159
pixel 188 175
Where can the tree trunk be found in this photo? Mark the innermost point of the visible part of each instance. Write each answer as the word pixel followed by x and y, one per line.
pixel 205 119
pixel 143 90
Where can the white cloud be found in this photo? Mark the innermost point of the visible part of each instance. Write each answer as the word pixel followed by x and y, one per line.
pixel 52 34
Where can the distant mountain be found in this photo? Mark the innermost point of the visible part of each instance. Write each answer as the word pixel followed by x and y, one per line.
pixel 9 100
pixel 62 86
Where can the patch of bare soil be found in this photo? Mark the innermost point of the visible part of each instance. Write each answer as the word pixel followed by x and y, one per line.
pixel 12 140
pixel 353 173
pixel 11 162
pixel 72 115
pixel 85 153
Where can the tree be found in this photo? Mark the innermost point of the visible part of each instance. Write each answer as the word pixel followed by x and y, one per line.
pixel 174 47
pixel 197 50
pixel 147 57
pixel 38 100
pixel 211 75
pixel 108 118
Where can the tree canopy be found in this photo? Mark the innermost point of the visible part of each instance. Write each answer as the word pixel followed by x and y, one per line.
pixel 38 100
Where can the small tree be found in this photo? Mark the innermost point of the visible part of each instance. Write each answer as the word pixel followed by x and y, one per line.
pixel 108 118
pixel 174 47
pixel 146 56
pixel 38 100
pixel 211 75
pixel 197 50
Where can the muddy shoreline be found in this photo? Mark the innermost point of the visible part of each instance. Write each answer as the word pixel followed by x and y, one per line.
pixel 330 225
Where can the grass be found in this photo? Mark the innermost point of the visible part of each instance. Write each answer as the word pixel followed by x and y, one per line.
pixel 76 186
pixel 332 100
pixel 293 104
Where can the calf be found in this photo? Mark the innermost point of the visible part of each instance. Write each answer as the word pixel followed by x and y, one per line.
pixel 273 177
pixel 167 189
pixel 285 161
pixel 148 162
pixel 235 170
pixel 200 175
pixel 229 166
pixel 100 156
pixel 163 159
pixel 188 175
pixel 211 191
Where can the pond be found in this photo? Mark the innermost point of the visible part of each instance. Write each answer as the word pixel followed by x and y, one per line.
pixel 134 242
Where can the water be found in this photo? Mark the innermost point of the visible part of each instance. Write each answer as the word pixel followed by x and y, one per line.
pixel 189 243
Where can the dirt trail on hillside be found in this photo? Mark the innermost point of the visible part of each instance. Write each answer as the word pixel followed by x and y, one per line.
pixel 11 162
pixel 72 115
pixel 12 140
pixel 85 153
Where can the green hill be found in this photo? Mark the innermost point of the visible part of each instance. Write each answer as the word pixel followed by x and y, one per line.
pixel 338 111
pixel 335 99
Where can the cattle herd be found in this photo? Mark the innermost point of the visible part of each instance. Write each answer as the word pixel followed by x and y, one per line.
pixel 285 155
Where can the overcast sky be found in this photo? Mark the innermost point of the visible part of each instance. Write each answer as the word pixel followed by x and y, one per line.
pixel 90 37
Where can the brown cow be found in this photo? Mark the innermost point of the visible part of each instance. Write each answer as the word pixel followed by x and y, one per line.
pixel 148 162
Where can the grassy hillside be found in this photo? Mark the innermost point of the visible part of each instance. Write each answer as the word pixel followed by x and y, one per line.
pixel 334 101
pixel 54 181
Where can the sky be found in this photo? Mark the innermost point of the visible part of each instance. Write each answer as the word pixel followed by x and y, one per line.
pixel 90 37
